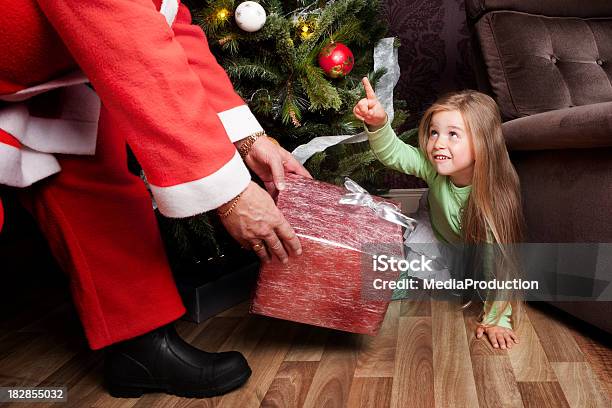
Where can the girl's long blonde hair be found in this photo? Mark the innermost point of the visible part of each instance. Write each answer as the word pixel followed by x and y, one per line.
pixel 494 209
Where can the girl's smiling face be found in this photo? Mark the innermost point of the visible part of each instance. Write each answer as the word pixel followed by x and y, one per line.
pixel 450 148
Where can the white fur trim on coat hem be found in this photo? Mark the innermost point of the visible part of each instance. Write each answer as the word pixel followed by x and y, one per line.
pixel 239 122
pixel 71 79
pixel 73 132
pixel 205 194
pixel 22 167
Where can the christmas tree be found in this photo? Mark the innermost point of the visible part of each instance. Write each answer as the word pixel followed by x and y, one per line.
pixel 276 70
pixel 276 67
pixel 280 57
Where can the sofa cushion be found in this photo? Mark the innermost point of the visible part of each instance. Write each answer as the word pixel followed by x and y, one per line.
pixel 537 64
pixel 551 8
pixel 566 194
pixel 581 127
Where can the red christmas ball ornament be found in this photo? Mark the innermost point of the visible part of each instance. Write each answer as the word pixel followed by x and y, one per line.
pixel 336 59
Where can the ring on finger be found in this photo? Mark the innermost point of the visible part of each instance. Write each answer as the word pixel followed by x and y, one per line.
pixel 258 247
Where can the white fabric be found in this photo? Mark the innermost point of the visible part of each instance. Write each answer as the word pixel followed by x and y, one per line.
pixel 239 122
pixel 73 78
pixel 74 131
pixel 21 167
pixel 169 8
pixel 205 194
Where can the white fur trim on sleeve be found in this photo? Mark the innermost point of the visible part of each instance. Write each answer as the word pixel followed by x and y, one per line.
pixel 239 122
pixel 205 194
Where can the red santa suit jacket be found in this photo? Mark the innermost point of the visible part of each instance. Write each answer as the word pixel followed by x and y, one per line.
pixel 155 75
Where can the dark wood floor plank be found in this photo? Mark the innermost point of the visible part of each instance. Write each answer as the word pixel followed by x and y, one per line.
pixel 246 335
pixel 15 341
pixel 310 345
pixel 187 403
pixel 29 366
pixel 560 345
pixel 597 349
pixel 69 374
pixel 265 360
pixel 216 333
pixel 240 310
pixel 454 384
pixel 88 389
pixel 542 395
pixel 29 307
pixel 62 318
pixel 413 379
pixel 291 384
pixel 493 372
pixel 332 381
pixel 528 358
pixel 370 392
pixel 580 385
pixel 376 357
pixel 495 382
pixel 423 356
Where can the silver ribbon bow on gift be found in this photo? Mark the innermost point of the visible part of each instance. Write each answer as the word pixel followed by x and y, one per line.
pixel 387 211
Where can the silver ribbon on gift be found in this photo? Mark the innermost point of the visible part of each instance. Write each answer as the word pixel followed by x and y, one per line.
pixel 385 210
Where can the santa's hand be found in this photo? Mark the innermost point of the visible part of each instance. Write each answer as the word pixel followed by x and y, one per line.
pixel 256 223
pixel 369 109
pixel 270 162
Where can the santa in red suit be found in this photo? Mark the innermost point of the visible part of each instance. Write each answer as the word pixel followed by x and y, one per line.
pixel 159 89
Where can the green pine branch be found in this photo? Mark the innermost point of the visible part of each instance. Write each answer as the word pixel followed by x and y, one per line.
pixel 249 69
pixel 321 93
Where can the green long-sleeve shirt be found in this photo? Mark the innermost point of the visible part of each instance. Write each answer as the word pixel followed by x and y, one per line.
pixel 446 201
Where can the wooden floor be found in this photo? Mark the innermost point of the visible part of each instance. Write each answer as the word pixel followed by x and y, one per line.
pixel 425 356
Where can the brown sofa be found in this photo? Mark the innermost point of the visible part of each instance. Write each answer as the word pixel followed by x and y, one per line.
pixel 548 64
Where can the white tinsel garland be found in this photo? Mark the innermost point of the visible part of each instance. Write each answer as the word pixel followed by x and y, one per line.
pixel 385 56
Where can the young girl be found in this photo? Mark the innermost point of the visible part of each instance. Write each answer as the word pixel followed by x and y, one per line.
pixel 474 195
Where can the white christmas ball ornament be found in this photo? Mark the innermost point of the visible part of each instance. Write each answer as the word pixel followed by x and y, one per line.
pixel 250 16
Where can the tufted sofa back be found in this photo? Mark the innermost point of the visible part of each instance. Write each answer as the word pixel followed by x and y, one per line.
pixel 544 55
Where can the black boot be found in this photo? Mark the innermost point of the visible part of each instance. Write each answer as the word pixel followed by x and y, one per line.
pixel 161 361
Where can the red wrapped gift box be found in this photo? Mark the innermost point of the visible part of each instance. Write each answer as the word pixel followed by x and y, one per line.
pixel 325 285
